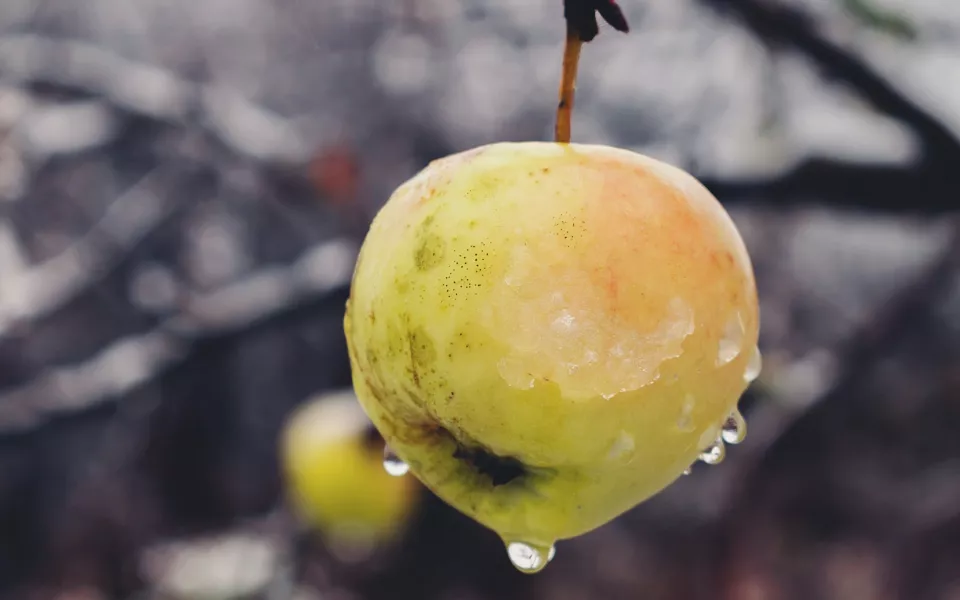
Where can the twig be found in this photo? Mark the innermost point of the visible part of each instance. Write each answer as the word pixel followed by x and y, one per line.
pixel 886 189
pixel 782 25
pixel 931 186
pixel 582 27
pixel 568 85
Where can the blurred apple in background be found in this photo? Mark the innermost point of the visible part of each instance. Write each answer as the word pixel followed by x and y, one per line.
pixel 333 462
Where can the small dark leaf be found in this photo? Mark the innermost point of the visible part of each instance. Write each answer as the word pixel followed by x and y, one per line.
pixel 581 17
pixel 611 13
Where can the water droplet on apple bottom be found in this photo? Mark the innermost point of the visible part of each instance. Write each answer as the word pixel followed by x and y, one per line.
pixel 393 464
pixel 715 453
pixel 530 558
pixel 734 428
pixel 754 366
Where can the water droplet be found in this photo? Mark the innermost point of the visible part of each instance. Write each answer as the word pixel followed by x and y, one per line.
pixel 685 421
pixel 731 344
pixel 393 464
pixel 734 428
pixel 688 470
pixel 528 558
pixel 754 366
pixel 609 395
pixel 715 453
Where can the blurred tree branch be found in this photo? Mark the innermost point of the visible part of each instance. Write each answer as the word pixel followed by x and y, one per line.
pixel 933 186
pixel 267 299
pixel 871 463
pixel 42 289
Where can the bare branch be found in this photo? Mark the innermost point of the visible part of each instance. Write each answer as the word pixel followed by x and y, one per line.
pixel 262 299
pixel 148 90
pixel 779 24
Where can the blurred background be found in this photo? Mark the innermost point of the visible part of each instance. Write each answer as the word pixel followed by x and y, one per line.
pixel 183 188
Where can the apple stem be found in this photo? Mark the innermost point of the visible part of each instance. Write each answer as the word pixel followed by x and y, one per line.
pixel 568 85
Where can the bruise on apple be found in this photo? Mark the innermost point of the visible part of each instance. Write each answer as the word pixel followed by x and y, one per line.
pixel 421 427
pixel 501 470
pixel 429 253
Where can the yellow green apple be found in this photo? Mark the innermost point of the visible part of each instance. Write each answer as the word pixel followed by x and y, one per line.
pixel 549 334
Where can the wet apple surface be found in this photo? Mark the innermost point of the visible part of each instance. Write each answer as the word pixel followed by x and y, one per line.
pixel 548 334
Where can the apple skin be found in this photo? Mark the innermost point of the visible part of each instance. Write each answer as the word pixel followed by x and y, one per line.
pixel 549 334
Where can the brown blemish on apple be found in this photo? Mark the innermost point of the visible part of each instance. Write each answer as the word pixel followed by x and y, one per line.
pixel 430 251
pixel 425 430
pixel 500 470
pixel 422 353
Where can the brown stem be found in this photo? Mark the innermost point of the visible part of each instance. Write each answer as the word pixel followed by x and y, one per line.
pixel 568 85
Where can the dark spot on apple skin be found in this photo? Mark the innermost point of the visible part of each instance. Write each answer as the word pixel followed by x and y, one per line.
pixel 407 417
pixel 424 429
pixel 430 251
pixel 501 470
pixel 410 425
pixel 422 353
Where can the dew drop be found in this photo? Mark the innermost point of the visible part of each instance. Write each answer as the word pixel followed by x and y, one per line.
pixel 393 464
pixel 731 344
pixel 754 366
pixel 734 428
pixel 528 558
pixel 715 453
